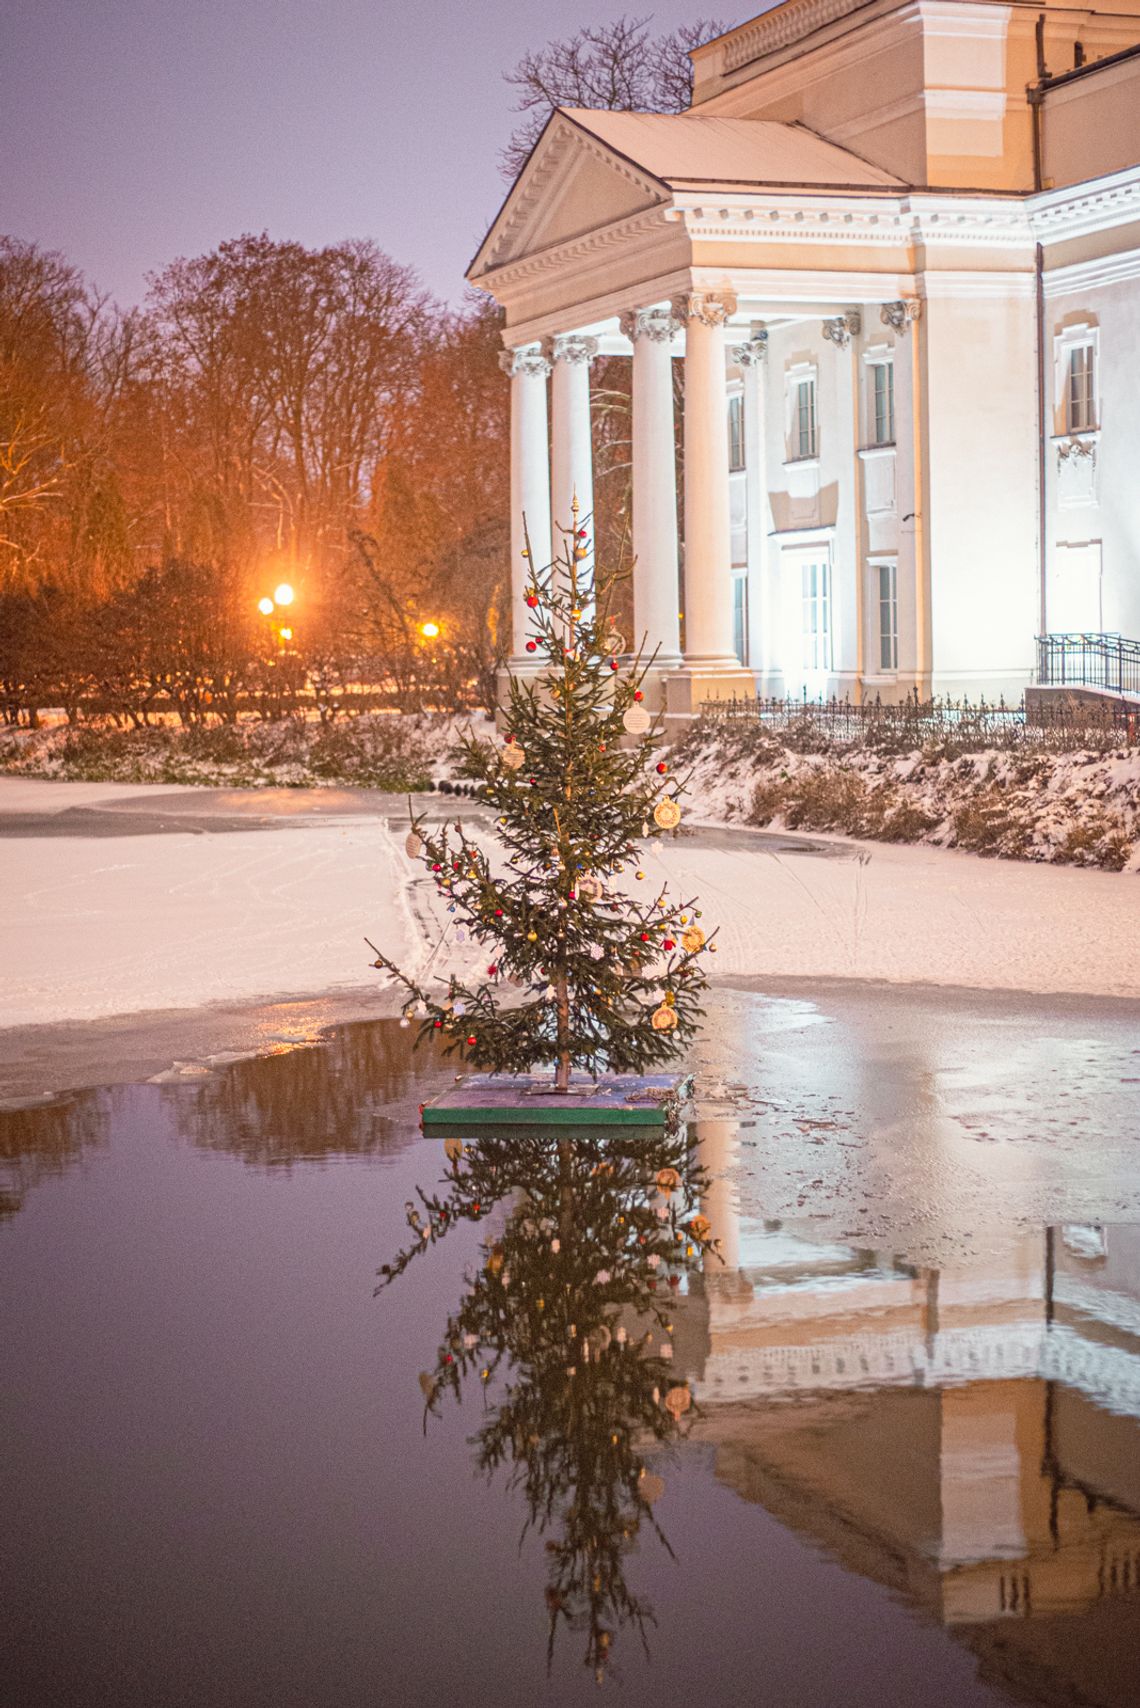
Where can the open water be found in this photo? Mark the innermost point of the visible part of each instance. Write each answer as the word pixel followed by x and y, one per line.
pixel 573 1440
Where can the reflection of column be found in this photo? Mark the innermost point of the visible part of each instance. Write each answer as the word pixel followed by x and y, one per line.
pixel 752 359
pixel 708 542
pixel 530 478
pixel 717 1141
pixel 655 589
pixel 572 463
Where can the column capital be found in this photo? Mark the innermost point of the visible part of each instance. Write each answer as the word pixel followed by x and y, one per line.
pixel 711 308
pixel 753 353
pixel 531 362
pixel 570 347
pixel 656 324
pixel 843 327
pixel 899 315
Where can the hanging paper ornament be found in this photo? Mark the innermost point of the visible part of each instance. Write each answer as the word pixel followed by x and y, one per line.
pixel 667 814
pixel 650 1487
pixel 413 845
pixel 614 642
pixel 692 940
pixel 700 1227
pixel 596 951
pixel 645 830
pixel 668 1180
pixel 453 1149
pixel 636 720
pixel 590 888
pixel 677 1402
pixel 513 757
pixel 664 1019
pixel 460 932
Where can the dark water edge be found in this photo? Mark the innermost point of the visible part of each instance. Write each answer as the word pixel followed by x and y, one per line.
pixel 911 1469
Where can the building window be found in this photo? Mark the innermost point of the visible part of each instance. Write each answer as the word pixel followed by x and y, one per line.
pixel 1080 395
pixel 736 432
pixel 806 430
pixel 817 615
pixel 886 583
pixel 883 403
pixel 740 617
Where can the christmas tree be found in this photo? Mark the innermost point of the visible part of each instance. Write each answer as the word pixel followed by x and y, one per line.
pixel 580 970
pixel 566 1328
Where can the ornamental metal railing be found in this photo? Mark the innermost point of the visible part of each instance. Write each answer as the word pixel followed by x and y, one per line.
pixel 950 726
pixel 1106 662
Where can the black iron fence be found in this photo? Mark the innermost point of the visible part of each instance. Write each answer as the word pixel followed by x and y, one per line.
pixel 952 726
pixel 1106 662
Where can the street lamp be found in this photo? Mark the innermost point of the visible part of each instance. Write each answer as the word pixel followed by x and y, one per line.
pixel 283 593
pixel 430 631
pixel 265 606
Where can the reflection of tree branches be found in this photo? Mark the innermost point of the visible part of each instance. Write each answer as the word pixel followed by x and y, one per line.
pixel 571 1307
pixel 47 1139
pixel 305 1104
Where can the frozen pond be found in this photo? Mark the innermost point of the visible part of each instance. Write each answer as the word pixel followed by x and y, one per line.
pixel 882 1447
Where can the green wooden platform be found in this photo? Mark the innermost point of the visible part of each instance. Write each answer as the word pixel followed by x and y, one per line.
pixel 529 1100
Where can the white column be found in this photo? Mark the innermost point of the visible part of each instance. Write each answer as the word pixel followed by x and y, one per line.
pixel 572 457
pixel 655 585
pixel 763 605
pixel 530 480
pixel 847 570
pixel 708 544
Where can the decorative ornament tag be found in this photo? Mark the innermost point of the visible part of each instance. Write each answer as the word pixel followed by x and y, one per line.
pixel 667 814
pixel 664 1018
pixel 597 953
pixel 590 888
pixel 453 1149
pixel 677 1402
pixel 413 845
pixel 636 720
pixel 692 939
pixel 513 757
pixel 614 642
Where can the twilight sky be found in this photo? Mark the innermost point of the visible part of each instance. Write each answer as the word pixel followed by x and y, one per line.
pixel 134 131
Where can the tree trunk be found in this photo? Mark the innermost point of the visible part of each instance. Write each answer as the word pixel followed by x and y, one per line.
pixel 562 1076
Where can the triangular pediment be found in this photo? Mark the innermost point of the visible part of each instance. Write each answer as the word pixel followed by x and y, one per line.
pixel 572 184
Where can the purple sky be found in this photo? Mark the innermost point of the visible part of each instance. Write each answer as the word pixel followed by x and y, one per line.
pixel 134 131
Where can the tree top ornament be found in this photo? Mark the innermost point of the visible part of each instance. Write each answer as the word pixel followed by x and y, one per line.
pixel 580 972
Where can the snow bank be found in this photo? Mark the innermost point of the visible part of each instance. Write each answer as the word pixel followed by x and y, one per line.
pixel 1080 809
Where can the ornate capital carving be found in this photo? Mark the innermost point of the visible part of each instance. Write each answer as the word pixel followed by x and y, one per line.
pixel 571 347
pixel 656 324
pixel 843 327
pixel 899 315
pixel 531 362
pixel 711 308
pixel 753 353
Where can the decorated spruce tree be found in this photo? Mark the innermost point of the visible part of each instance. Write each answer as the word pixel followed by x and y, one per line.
pixel 566 1329
pixel 584 962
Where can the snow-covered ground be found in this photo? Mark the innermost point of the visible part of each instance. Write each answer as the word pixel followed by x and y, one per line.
pixel 95 926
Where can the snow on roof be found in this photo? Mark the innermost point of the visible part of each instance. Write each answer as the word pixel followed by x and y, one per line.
pixel 683 148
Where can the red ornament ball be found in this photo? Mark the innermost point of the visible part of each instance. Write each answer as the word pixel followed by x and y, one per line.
pixel 637 694
pixel 645 936
pixel 498 913
pixel 532 600
pixel 492 970
pixel 471 1038
pixel 661 768
pixel 668 943
pixel 437 868
pixel 437 1024
pixel 613 663
pixel 532 646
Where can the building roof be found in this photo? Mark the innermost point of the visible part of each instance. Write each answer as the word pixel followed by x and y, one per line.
pixel 686 148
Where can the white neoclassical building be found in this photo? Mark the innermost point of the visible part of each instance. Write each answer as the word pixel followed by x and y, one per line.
pixel 896 245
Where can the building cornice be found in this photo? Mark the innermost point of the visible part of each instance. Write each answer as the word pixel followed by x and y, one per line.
pixel 1096 205
pixel 1083 276
pixel 783 27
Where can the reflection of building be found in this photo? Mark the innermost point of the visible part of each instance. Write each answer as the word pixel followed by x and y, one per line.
pixel 969 1436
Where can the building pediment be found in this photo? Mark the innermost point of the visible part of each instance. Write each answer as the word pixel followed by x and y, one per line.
pixel 573 184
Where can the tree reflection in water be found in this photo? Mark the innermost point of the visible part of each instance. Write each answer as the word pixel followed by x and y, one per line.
pixel 47 1139
pixel 566 1325
pixel 337 1098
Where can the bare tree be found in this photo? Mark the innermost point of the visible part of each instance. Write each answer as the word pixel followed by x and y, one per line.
pixel 621 66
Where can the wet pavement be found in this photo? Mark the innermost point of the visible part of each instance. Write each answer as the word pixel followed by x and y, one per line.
pixel 830 1397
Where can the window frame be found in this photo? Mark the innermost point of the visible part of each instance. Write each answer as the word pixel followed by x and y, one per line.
pixel 1067 340
pixel 816 634
pixel 737 453
pixel 796 377
pixel 889 636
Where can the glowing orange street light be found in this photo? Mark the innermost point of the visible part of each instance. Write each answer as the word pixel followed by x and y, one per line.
pixel 283 593
pixel 430 631
pixel 285 634
pixel 265 606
